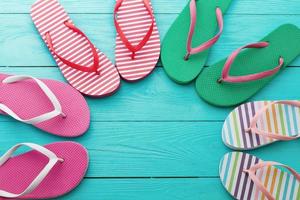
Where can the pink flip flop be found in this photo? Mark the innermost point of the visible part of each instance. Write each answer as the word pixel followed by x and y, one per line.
pixel 137 42
pixel 84 66
pixel 46 172
pixel 49 105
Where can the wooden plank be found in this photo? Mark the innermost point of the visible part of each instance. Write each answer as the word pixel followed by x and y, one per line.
pixel 160 6
pixel 157 98
pixel 154 128
pixel 149 189
pixel 150 149
pixel 21 45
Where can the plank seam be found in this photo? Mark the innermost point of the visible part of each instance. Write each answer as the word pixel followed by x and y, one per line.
pixel 47 66
pixel 167 13
pixel 158 177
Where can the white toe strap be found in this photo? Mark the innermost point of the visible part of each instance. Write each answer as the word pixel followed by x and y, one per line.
pixel 53 159
pixel 44 117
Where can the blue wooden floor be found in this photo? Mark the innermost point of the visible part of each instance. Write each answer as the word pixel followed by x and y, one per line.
pixel 152 139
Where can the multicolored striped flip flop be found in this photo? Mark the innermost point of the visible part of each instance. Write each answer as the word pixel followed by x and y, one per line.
pixel 259 123
pixel 137 41
pixel 245 72
pixel 246 177
pixel 84 66
pixel 186 46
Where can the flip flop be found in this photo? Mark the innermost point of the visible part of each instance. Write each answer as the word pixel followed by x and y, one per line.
pixel 256 124
pixel 46 172
pixel 49 105
pixel 137 42
pixel 197 24
pixel 246 177
pixel 84 66
pixel 236 79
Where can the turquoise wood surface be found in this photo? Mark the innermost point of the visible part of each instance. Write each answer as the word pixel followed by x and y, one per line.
pixel 18 34
pixel 152 139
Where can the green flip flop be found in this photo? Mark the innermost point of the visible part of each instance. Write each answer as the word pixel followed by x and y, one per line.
pixel 197 24
pixel 234 80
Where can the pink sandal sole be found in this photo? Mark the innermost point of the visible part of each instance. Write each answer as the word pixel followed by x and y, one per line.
pixel 19 171
pixel 27 100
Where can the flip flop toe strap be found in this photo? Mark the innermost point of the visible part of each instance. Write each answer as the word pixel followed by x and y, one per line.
pixel 252 175
pixel 96 63
pixel 225 77
pixel 209 43
pixel 277 136
pixel 53 160
pixel 57 111
pixel 127 43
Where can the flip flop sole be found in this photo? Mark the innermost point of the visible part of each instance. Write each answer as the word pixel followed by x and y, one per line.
pixel 49 16
pixel 28 100
pixel 174 44
pixel 283 42
pixel 19 171
pixel 281 184
pixel 135 21
pixel 281 119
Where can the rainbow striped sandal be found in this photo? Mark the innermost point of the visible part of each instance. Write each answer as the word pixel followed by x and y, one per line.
pixel 260 123
pixel 137 41
pixel 84 66
pixel 246 177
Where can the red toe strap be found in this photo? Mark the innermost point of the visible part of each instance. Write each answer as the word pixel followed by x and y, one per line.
pixel 122 35
pixel 95 66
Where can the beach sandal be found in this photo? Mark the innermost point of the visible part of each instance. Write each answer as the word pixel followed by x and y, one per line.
pixel 137 41
pixel 84 66
pixel 49 105
pixel 246 177
pixel 195 26
pixel 48 171
pixel 236 79
pixel 256 124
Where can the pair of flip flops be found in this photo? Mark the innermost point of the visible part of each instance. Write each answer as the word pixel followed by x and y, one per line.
pixel 83 65
pixel 49 105
pixel 253 125
pixel 46 172
pixel 242 74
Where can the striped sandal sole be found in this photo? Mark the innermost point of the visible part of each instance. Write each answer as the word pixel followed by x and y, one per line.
pixel 281 119
pixel 49 17
pixel 134 21
pixel 280 184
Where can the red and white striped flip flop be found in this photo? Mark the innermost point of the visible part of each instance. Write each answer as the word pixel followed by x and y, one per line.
pixel 84 66
pixel 137 42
